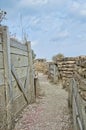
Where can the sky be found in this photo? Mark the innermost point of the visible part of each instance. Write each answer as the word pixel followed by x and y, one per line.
pixel 52 26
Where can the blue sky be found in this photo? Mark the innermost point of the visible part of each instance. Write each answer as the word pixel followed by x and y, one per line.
pixel 53 26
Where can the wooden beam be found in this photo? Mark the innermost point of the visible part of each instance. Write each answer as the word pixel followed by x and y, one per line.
pixel 7 77
pixel 16 44
pixel 17 51
pixel 21 87
pixel 31 75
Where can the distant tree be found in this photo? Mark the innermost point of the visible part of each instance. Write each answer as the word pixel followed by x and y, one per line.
pixel 57 56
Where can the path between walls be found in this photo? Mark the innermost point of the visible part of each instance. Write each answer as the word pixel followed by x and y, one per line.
pixel 50 112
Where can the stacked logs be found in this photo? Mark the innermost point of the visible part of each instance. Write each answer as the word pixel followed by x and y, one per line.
pixel 66 67
pixel 80 75
pixel 81 66
pixel 40 65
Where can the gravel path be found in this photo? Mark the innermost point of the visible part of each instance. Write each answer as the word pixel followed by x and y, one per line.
pixel 50 112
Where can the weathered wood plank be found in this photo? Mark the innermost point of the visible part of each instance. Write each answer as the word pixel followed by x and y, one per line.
pixel 7 69
pixel 30 76
pixel 21 87
pixel 1 47
pixel 66 69
pixel 16 90
pixel 0 37
pixel 2 97
pixel 19 61
pixel 1 76
pixel 16 44
pixel 17 51
pixel 66 62
pixel 67 72
pixel 2 107
pixel 1 60
pixel 21 72
pixel 18 104
pixel 66 65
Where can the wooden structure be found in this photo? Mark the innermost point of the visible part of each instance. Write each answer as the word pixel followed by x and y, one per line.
pixel 16 78
pixel 72 70
pixel 77 101
pixel 53 72
pixel 41 65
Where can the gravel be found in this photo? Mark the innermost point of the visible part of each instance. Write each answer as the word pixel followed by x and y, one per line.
pixel 50 112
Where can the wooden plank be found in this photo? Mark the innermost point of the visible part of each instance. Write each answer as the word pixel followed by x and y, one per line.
pixel 7 70
pixel 2 77
pixel 19 61
pixel 27 81
pixel 16 44
pixel 21 87
pixel 1 47
pixel 2 108
pixel 67 69
pixel 18 104
pixel 21 72
pixel 81 80
pixel 30 76
pixel 2 97
pixel 1 60
pixel 16 90
pixel 66 63
pixel 17 51
pixel 0 38
pixel 67 72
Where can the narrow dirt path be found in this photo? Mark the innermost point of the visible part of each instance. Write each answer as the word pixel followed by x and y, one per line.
pixel 50 112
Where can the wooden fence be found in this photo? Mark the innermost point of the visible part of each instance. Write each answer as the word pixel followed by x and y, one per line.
pixel 73 70
pixel 16 78
pixel 77 102
pixel 53 72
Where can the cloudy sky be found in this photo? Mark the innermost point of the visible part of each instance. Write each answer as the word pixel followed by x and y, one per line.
pixel 53 26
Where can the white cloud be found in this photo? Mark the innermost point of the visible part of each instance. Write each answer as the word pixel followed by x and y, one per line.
pixel 63 34
pixel 83 12
pixel 34 43
pixel 75 6
pixel 78 8
pixel 26 3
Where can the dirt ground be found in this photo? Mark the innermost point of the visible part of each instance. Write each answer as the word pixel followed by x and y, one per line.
pixel 50 112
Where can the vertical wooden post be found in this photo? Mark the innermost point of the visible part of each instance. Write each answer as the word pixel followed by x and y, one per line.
pixel 31 75
pixel 54 72
pixel 7 75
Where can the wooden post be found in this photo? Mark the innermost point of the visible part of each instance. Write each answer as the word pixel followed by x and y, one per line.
pixel 31 75
pixel 7 76
pixel 54 73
